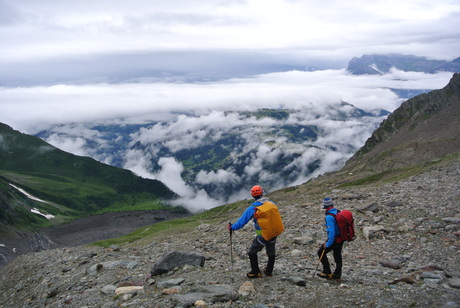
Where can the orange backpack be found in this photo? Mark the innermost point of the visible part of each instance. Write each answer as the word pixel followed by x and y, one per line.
pixel 269 220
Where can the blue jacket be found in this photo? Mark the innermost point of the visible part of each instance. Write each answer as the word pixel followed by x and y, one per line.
pixel 248 215
pixel 332 228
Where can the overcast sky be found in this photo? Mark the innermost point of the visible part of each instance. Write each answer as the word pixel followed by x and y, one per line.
pixel 83 60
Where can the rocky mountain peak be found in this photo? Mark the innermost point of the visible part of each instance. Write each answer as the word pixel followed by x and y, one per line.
pixel 421 129
pixel 378 64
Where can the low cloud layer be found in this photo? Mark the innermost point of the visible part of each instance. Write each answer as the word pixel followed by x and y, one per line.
pixel 156 121
pixel 241 149
pixel 32 109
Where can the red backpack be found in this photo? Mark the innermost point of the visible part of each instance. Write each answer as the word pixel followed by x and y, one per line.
pixel 346 225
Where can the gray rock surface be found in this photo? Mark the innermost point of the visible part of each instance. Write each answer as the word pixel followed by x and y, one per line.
pixel 424 258
pixel 177 259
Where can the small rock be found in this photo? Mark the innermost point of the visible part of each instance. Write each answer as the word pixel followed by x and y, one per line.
pixel 370 232
pixel 297 253
pixel 93 270
pixel 108 289
pixel 170 291
pixel 131 283
pixel 305 240
pixel 454 283
pixel 208 293
pixel 129 290
pixel 451 220
pixel 86 256
pixel 114 248
pixel 170 282
pixel 246 288
pixel 199 303
pixel 296 280
pixel 394 264
pixel 408 280
pixel 431 275
pixel 373 207
pixel 394 204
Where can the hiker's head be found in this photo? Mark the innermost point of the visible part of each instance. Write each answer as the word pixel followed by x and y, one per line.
pixel 257 192
pixel 327 203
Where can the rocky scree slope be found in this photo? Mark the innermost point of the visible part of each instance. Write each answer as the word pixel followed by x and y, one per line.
pixel 406 253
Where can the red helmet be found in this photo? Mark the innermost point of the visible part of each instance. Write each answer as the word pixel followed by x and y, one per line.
pixel 257 191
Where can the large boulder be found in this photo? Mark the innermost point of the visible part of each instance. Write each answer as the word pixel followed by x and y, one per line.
pixel 207 293
pixel 177 259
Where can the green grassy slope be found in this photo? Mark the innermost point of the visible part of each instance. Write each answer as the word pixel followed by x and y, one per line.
pixel 72 186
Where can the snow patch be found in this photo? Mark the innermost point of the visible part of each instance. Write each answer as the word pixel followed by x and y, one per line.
pixel 34 210
pixel 376 68
pixel 28 195
pixel 37 211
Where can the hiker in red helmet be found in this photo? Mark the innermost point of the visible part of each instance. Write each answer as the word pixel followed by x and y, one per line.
pixel 261 211
pixel 331 244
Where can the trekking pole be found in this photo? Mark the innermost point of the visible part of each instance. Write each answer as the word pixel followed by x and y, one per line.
pixel 320 258
pixel 231 250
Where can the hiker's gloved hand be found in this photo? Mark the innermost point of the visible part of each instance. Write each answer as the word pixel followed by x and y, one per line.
pixel 229 226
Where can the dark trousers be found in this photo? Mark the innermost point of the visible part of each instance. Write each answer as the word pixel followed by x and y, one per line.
pixel 336 249
pixel 257 245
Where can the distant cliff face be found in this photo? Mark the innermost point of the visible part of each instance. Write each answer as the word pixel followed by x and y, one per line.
pixel 380 64
pixel 423 128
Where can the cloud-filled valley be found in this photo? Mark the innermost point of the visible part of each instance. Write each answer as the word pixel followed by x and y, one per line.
pixel 210 141
pixel 212 158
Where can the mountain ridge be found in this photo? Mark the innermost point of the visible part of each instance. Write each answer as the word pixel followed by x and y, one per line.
pixel 379 64
pixel 427 122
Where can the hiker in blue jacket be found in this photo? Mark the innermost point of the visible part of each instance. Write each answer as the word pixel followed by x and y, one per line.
pixel 259 242
pixel 331 244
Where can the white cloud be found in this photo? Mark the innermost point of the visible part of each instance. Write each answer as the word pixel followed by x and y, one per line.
pixel 232 24
pixel 197 202
pixel 170 174
pixel 72 145
pixel 138 162
pixel 139 102
pixel 216 177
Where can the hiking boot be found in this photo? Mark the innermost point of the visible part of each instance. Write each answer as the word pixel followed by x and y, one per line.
pixel 268 273
pixel 254 275
pixel 270 264
pixel 335 277
pixel 325 276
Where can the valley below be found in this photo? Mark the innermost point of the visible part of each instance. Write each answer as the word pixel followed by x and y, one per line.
pixel 80 232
